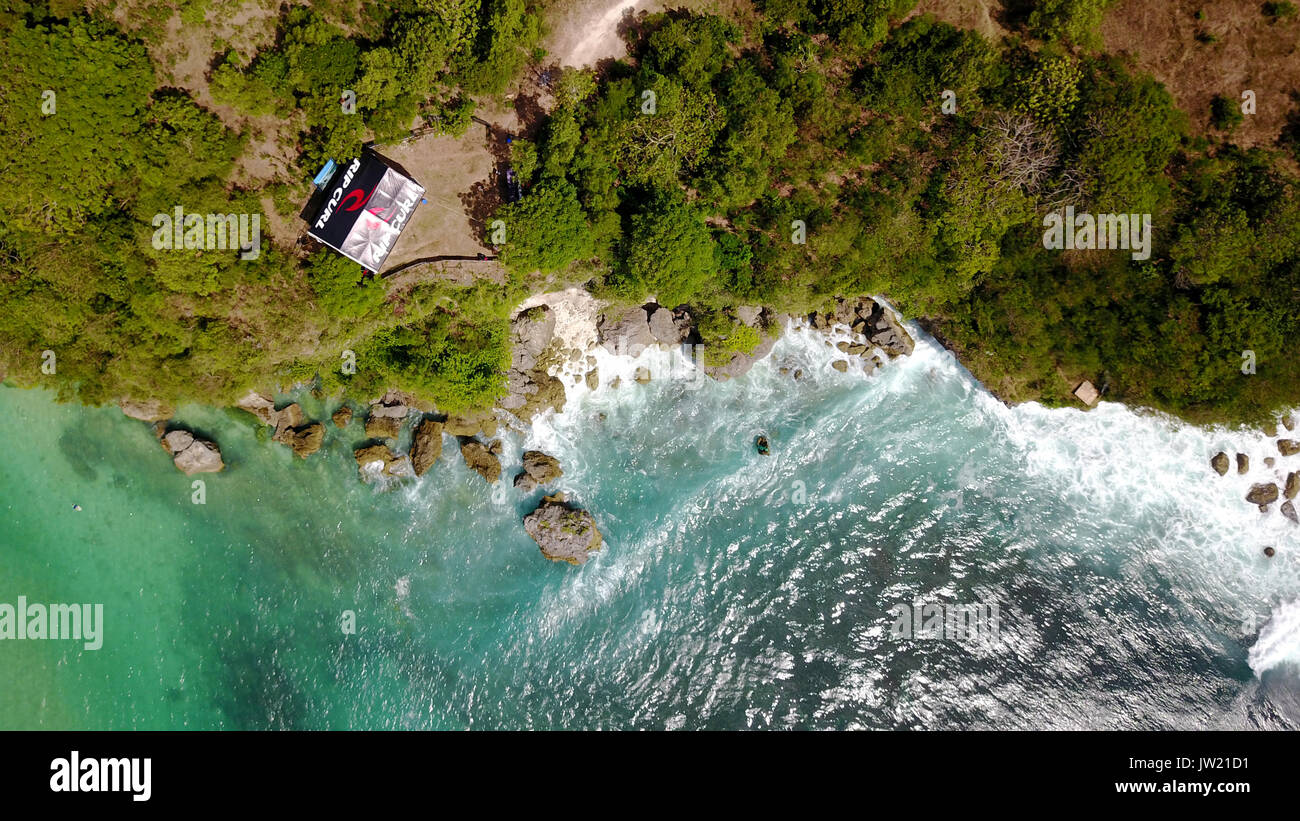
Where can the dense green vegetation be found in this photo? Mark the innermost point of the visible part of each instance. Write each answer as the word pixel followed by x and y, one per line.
pixel 81 278
pixel 830 149
pixel 941 210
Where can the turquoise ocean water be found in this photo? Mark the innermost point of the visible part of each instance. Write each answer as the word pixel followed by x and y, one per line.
pixel 733 590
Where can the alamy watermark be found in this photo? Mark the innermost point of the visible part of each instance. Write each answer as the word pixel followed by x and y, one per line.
pixel 978 622
pixel 75 622
pixel 1100 232
pixel 208 232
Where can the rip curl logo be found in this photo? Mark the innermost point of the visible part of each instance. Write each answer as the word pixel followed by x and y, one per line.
pixel 77 774
pixel 360 197
pixel 338 194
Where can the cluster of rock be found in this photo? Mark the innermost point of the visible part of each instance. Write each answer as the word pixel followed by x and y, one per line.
pixel 190 453
pixel 291 425
pixel 633 331
pixel 871 325
pixel 1264 494
pixel 563 533
pixel 530 388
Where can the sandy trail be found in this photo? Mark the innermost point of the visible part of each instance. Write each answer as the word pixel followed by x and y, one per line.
pixel 588 33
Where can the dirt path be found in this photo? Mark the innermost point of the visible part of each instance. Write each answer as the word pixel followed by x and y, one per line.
pixel 586 31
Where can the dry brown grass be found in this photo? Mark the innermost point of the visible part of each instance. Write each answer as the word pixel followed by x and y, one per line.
pixel 1249 52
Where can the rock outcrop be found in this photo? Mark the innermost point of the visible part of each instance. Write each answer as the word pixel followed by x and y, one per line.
pixel 564 533
pixel 481 458
pixel 426 445
pixel 870 320
pixel 1288 447
pixel 147 410
pixel 1243 464
pixel 1263 494
pixel 539 469
pixel 1219 462
pixel 472 424
pixel 290 416
pixel 530 389
pixel 1288 510
pixel 626 334
pixel 391 406
pixel 376 461
pixel 259 405
pixel 304 439
pixel 383 427
pixel 191 454
pixel 342 417
pixel 1292 485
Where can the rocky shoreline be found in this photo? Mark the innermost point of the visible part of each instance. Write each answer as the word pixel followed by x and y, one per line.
pixel 554 341
pixel 1282 484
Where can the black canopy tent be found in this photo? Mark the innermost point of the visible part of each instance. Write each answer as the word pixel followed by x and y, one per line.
pixel 364 207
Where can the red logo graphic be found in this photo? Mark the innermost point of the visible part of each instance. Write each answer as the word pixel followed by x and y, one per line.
pixel 356 194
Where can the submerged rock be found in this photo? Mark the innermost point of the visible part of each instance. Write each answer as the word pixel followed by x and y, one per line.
pixel 562 532
pixel 1220 463
pixel 426 445
pixel 480 458
pixel 1288 510
pixel 539 469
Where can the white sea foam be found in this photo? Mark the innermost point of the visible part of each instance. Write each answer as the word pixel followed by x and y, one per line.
pixel 1279 640
pixel 1112 466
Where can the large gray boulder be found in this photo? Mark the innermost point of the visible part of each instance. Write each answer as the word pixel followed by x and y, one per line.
pixel 627 334
pixel 562 532
pixel 191 454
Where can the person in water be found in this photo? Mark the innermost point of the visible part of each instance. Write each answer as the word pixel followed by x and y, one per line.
pixel 760 442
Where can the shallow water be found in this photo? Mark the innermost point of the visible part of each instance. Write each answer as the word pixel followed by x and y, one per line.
pixel 734 590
